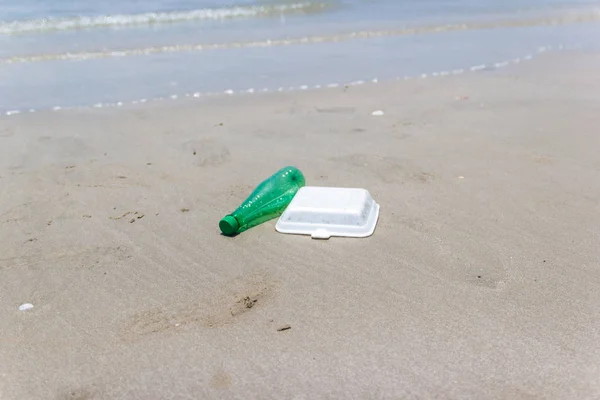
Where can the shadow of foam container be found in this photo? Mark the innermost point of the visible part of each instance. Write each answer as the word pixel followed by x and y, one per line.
pixel 323 212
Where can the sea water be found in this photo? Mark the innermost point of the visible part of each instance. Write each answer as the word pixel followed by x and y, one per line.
pixel 56 54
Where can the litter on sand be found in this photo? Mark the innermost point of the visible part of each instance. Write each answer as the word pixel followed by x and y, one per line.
pixel 25 307
pixel 323 212
pixel 266 202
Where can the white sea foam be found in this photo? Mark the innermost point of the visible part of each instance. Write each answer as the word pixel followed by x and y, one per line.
pixel 569 18
pixel 119 20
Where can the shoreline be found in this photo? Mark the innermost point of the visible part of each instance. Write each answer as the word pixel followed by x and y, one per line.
pixel 542 50
pixel 414 69
pixel 480 281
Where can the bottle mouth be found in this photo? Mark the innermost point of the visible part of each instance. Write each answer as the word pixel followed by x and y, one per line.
pixel 229 225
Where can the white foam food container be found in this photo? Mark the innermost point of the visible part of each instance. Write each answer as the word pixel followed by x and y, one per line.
pixel 322 212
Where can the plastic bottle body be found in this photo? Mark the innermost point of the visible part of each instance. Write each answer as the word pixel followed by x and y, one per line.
pixel 267 201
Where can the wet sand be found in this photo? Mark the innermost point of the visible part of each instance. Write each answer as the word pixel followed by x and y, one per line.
pixel 481 280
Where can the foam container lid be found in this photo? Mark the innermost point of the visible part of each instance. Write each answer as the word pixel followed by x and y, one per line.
pixel 322 212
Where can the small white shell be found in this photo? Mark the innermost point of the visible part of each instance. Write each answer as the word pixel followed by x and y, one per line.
pixel 25 307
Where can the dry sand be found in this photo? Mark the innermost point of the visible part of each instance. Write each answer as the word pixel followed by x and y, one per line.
pixel 481 281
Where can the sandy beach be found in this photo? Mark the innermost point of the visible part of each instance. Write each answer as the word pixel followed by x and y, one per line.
pixel 481 281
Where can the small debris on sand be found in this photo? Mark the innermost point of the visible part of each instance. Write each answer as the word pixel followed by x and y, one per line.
pixel 135 214
pixel 122 216
pixel 248 302
pixel 284 328
pixel 25 307
pixel 243 305
pixel 377 113
pixel 184 210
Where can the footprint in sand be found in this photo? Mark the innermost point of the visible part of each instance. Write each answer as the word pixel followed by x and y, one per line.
pixel 388 169
pixel 228 304
pixel 81 393
pixel 469 264
pixel 7 132
pixel 221 380
pixel 207 152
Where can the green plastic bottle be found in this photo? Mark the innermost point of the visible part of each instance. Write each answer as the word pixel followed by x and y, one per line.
pixel 266 202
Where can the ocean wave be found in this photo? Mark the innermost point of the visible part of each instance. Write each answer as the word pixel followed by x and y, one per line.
pixel 89 55
pixel 122 20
